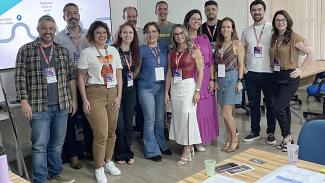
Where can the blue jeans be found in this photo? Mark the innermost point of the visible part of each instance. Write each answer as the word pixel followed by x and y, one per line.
pixel 152 104
pixel 255 83
pixel 48 132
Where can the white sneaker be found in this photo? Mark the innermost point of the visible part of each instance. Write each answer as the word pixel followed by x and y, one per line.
pixel 199 148
pixel 111 168
pixel 100 175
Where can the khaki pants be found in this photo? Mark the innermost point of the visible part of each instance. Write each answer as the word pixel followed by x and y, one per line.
pixel 103 122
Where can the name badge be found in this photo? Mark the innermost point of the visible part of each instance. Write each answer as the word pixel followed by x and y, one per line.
pixel 213 46
pixel 159 72
pixel 50 75
pixel 76 56
pixel 110 82
pixel 257 52
pixel 221 70
pixel 130 79
pixel 276 64
pixel 177 75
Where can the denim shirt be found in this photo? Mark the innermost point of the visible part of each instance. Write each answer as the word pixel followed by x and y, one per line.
pixel 147 77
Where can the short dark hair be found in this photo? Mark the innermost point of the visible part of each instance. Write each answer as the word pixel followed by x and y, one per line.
pixel 211 2
pixel 161 2
pixel 93 27
pixel 129 7
pixel 69 4
pixel 256 2
pixel 146 27
pixel 188 16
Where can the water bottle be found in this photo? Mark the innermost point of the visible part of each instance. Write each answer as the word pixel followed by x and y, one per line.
pixel 4 173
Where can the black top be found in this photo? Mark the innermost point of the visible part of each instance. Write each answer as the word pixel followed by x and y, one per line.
pixel 126 55
pixel 215 35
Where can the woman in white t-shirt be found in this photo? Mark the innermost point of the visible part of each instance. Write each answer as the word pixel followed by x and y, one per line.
pixel 100 84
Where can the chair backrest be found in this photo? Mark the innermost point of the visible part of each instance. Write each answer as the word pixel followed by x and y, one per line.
pixel 311 141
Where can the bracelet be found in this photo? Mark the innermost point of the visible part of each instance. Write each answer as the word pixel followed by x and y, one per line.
pixel 240 80
pixel 214 80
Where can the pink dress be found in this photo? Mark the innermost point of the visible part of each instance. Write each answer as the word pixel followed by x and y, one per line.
pixel 206 108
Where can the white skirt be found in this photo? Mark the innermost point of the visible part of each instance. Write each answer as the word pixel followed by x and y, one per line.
pixel 184 128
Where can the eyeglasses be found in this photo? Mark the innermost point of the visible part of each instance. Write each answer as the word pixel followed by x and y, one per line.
pixel 179 34
pixel 281 20
pixel 152 32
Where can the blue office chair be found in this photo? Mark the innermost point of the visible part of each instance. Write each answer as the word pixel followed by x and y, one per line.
pixel 317 89
pixel 311 141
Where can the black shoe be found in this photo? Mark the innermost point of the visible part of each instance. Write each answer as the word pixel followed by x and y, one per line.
pixel 270 139
pixel 251 137
pixel 167 152
pixel 156 158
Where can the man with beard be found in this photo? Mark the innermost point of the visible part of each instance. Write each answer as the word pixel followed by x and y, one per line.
pixel 46 88
pixel 165 26
pixel 211 26
pixel 73 37
pixel 257 41
pixel 130 14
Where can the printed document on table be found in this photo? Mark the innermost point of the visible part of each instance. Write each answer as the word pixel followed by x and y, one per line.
pixel 221 179
pixel 292 174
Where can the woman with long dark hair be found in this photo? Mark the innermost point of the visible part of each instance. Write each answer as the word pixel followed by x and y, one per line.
pixel 128 48
pixel 284 54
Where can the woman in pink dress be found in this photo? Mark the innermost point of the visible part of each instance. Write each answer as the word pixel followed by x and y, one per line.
pixel 206 107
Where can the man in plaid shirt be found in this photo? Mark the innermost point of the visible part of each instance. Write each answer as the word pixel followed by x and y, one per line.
pixel 46 88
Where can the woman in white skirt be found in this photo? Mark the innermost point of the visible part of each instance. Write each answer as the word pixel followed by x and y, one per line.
pixel 185 63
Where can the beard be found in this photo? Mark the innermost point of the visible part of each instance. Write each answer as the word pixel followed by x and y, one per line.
pixel 258 17
pixel 46 38
pixel 73 23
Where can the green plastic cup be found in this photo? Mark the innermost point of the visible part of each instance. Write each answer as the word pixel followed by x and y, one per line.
pixel 210 165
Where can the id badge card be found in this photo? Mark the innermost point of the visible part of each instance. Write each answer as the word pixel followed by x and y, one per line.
pixel 159 72
pixel 213 46
pixel 110 82
pixel 50 75
pixel 130 79
pixel 276 64
pixel 76 56
pixel 221 70
pixel 177 75
pixel 258 52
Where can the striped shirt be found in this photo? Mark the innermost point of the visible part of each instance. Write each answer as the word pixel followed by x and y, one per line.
pixel 229 58
pixel 31 81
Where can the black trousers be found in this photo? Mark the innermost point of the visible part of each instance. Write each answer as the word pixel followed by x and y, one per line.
pixel 124 128
pixel 79 136
pixel 284 88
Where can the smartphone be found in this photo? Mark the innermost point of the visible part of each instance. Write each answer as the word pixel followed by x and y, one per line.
pixel 225 167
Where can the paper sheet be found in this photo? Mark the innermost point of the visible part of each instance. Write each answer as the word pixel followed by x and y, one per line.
pixel 221 179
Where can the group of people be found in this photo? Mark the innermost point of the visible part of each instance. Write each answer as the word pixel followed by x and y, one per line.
pixel 76 76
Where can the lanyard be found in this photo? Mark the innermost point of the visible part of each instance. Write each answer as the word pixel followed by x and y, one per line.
pixel 101 55
pixel 156 52
pixel 47 58
pixel 128 61
pixel 214 31
pixel 222 51
pixel 277 47
pixel 258 40
pixel 75 42
pixel 178 58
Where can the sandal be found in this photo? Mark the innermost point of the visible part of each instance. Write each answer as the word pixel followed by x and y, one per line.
pixel 233 146
pixel 225 146
pixel 121 162
pixel 184 160
pixel 75 162
pixel 131 161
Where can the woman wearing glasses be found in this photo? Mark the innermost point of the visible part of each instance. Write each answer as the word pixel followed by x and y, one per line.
pixel 185 63
pixel 151 84
pixel 284 53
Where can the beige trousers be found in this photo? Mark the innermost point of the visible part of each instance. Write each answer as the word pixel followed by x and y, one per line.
pixel 103 122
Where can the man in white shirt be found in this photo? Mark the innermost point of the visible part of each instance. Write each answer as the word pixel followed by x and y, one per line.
pixel 257 41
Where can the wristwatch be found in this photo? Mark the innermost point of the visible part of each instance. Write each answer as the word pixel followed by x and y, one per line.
pixel 240 80
pixel 197 90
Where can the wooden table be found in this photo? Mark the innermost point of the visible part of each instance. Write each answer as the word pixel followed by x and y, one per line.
pixel 315 67
pixel 16 179
pixel 274 161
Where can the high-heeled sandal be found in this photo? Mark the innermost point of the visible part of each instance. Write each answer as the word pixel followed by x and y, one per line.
pixel 225 146
pixel 184 160
pixel 287 140
pixel 192 150
pixel 233 147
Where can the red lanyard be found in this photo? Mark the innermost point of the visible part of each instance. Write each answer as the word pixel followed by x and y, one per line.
pixel 258 40
pixel 178 58
pixel 128 61
pixel 47 58
pixel 102 54
pixel 156 52
pixel 214 31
